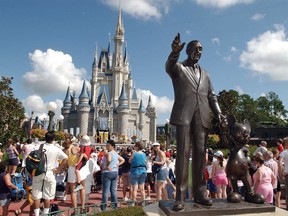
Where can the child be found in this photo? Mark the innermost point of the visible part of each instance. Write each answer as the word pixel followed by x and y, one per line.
pixel 29 199
pixel 84 155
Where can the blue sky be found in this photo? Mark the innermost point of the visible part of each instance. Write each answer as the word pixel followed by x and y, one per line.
pixel 45 45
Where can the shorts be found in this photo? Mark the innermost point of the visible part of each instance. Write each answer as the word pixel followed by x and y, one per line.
pixel 211 186
pixel 137 179
pixel 126 179
pixel 44 189
pixel 120 171
pixel 161 175
pixel 71 174
pixel 149 178
pixel 221 180
pixel 5 202
pixel 13 162
pixel 278 185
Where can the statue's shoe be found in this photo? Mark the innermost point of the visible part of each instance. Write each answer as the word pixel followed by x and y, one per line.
pixel 203 201
pixel 254 198
pixel 178 206
pixel 234 197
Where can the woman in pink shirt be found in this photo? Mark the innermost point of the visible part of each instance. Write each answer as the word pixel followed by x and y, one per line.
pixel 264 180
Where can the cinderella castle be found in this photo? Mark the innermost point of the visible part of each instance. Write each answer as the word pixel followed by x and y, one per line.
pixel 112 107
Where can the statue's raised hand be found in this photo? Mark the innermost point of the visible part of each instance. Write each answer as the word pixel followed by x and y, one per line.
pixel 176 45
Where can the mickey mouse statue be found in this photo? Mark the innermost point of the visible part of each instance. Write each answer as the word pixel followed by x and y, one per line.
pixel 235 137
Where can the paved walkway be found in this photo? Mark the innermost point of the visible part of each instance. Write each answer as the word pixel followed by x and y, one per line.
pixel 95 198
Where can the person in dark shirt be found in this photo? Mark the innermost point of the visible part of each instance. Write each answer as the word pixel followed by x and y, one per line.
pixel 126 166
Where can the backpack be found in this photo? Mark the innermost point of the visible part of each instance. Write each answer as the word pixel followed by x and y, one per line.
pixel 171 176
pixel 36 161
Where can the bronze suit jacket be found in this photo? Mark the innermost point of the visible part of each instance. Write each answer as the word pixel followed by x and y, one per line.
pixel 188 91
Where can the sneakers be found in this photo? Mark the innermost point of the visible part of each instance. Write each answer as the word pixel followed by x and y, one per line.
pixel 148 198
pixel 78 187
pixel 125 199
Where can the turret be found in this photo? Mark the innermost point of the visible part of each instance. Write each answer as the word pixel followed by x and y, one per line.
pixel 83 109
pixel 65 110
pixel 141 112
pixel 123 111
pixel 151 113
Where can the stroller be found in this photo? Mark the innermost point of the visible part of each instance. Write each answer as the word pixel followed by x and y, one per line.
pixel 17 196
pixel 60 186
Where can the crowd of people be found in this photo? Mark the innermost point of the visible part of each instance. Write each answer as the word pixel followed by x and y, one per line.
pixel 137 170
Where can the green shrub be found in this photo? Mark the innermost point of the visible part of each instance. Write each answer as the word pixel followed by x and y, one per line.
pixel 213 141
pixel 133 211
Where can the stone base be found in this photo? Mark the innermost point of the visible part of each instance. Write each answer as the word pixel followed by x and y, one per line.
pixel 219 207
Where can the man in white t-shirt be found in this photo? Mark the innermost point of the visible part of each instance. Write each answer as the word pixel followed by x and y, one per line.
pixel 44 185
pixel 283 170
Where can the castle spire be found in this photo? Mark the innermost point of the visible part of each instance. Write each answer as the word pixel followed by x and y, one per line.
pixel 120 27
pixel 95 61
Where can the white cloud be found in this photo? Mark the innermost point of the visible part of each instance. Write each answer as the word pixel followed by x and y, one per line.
pixel 36 104
pixel 262 94
pixel 222 3
pixel 227 58
pixel 239 90
pixel 257 17
pixel 267 54
pixel 215 40
pixel 233 49
pixel 142 9
pixel 162 104
pixel 52 71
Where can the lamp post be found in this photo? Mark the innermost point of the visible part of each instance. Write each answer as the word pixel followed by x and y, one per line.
pixel 61 118
pixel 167 134
pixel 51 106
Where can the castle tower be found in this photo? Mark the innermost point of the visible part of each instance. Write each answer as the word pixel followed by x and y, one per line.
pixel 123 112
pixel 94 77
pixel 130 85
pixel 151 113
pixel 141 112
pixel 83 109
pixel 65 110
pixel 117 64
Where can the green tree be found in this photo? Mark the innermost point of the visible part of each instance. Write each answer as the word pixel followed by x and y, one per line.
pixel 271 109
pixel 247 109
pixel 11 112
pixel 228 101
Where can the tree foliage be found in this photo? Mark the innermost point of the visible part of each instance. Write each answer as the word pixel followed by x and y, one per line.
pixel 268 108
pixel 11 112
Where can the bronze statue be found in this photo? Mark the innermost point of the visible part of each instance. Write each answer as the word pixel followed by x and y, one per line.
pixel 194 99
pixel 238 162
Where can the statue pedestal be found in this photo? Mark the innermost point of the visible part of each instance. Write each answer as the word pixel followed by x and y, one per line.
pixel 219 207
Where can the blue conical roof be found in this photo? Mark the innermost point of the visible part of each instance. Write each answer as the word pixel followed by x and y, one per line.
pixel 141 107
pixel 123 95
pixel 84 92
pixel 134 95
